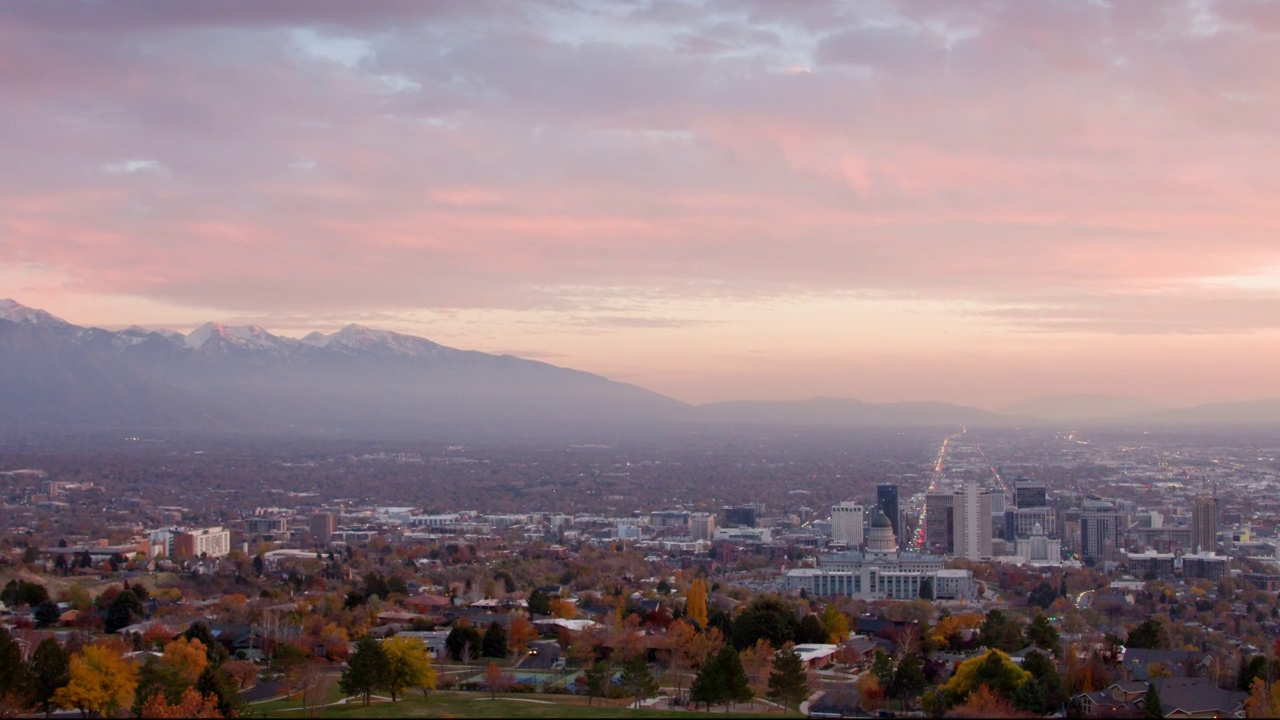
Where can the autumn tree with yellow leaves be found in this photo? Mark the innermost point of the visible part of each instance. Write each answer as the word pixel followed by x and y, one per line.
pixel 409 666
pixel 102 682
pixel 695 605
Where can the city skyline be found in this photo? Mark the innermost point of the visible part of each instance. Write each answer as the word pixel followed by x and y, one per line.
pixel 956 202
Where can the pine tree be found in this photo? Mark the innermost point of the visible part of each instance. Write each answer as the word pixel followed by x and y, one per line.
pixel 494 644
pixel 737 684
pixel 597 677
pixel 636 680
pixel 788 683
pixel 367 668
pixel 14 678
pixel 50 670
pixel 1151 705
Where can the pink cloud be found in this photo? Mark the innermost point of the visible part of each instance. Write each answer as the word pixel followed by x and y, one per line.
pixel 951 150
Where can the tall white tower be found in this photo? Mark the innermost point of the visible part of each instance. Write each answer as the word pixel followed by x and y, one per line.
pixel 847 521
pixel 973 523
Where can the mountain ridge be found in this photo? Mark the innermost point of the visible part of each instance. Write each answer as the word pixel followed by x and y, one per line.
pixel 229 376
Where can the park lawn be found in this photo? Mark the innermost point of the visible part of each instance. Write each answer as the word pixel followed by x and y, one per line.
pixel 478 705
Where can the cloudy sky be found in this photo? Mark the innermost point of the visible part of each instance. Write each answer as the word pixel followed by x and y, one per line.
pixel 964 200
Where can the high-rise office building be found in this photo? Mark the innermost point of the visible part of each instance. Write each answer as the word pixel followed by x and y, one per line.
pixel 742 516
pixel 939 523
pixel 1102 529
pixel 887 501
pixel 702 526
pixel 973 523
pixel 323 526
pixel 1028 493
pixel 847 524
pixel 1204 525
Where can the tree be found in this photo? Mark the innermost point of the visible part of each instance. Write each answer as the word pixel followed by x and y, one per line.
pixel 218 685
pixel 908 678
pixel 767 617
pixel 288 660
pixel 870 692
pixel 1042 634
pixel 1043 595
pixel 695 605
pixel 191 705
pixel 757 661
pixel 722 680
pixel 187 658
pixel 495 679
pixel 99 681
pixel 1001 633
pixel 243 672
pixel 1151 706
pixel 1263 700
pixel 50 671
pixel 882 667
pixel 984 702
pixel 539 603
pixel 926 589
pixel 494 644
pixel 810 631
pixel 597 677
pixel 836 623
pixel 213 649
pixel 1150 634
pixel 1030 697
pixel 409 666
pixel 47 614
pixel 788 683
pixel 522 633
pixel 14 678
pixel 367 668
pixel 993 669
pixel 636 680
pixel 463 640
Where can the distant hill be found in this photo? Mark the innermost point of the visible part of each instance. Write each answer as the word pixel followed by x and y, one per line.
pixel 1248 412
pixel 846 412
pixel 220 377
pixel 1079 407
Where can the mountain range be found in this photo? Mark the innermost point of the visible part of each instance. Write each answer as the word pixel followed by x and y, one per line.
pixel 359 379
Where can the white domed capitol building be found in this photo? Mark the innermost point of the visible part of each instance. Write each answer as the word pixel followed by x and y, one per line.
pixel 881 572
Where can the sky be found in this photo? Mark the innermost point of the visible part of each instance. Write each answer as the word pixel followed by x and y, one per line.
pixel 957 200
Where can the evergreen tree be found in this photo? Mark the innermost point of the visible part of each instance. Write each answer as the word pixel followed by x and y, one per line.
pixel 768 617
pixel 47 614
pixel 50 670
pixel 908 677
pixel 1151 705
pixel 494 644
pixel 926 589
pixel 1042 634
pixel 539 603
pixel 199 631
pixel 636 680
pixel 737 684
pixel 216 684
pixel 710 686
pixel 1030 697
pixel 463 640
pixel 367 668
pixel 810 631
pixel 597 677
pixel 788 683
pixel 1150 634
pixel 14 680
pixel 1042 595
pixel 125 610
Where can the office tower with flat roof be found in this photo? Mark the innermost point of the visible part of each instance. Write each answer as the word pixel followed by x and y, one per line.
pixel 1102 529
pixel 939 523
pixel 848 521
pixel 1204 525
pixel 887 501
pixel 973 522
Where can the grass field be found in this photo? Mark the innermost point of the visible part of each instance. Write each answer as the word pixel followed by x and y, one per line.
pixel 478 705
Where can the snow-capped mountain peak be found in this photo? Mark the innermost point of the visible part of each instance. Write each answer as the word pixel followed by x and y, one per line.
pixel 17 312
pixel 246 336
pixel 360 339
